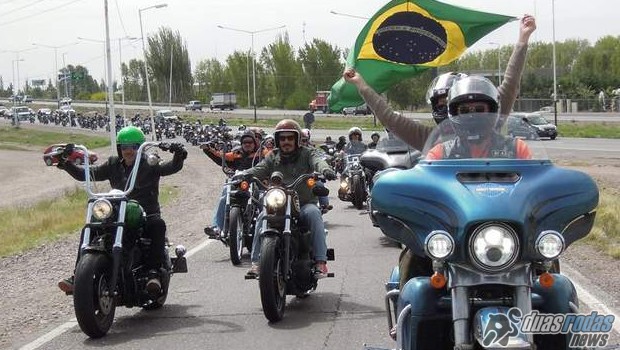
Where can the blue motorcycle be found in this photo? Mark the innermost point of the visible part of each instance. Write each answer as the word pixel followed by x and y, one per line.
pixel 489 230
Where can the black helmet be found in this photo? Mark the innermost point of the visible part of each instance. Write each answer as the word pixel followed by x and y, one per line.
pixel 287 125
pixel 439 87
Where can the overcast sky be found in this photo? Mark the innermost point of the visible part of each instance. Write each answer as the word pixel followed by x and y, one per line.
pixel 60 22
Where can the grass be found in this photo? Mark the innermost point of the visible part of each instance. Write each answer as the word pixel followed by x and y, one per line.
pixel 606 232
pixel 24 228
pixel 590 130
pixel 24 139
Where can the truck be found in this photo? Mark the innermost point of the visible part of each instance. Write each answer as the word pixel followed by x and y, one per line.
pixel 320 102
pixel 223 100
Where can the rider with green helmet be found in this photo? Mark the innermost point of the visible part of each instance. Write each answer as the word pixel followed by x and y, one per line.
pixel 117 170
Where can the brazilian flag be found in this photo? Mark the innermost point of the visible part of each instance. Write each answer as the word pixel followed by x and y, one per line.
pixel 405 38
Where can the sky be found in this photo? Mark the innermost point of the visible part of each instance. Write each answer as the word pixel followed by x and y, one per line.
pixel 60 22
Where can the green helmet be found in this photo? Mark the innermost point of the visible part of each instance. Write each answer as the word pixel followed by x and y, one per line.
pixel 130 135
pixel 134 215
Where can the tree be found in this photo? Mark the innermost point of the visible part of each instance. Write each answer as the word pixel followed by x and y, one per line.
pixel 321 64
pixel 283 70
pixel 211 77
pixel 134 80
pixel 163 47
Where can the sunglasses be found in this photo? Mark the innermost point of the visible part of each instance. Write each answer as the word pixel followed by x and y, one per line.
pixel 464 109
pixel 250 142
pixel 127 147
pixel 287 137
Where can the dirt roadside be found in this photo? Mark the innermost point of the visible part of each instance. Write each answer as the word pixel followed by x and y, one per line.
pixel 30 301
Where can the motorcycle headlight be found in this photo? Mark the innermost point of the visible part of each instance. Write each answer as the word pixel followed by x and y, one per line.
pixel 439 245
pixel 274 200
pixel 102 209
pixel 494 246
pixel 550 244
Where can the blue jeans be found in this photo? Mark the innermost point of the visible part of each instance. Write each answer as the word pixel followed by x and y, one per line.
pixel 323 200
pixel 310 216
pixel 218 216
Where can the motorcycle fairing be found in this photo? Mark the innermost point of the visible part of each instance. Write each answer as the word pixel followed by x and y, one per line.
pixel 454 195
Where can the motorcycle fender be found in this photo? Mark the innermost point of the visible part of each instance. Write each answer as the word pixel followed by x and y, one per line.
pixel 270 233
pixel 394 280
pixel 561 297
pixel 423 298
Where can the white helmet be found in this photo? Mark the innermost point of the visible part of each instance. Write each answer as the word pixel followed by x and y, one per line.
pixel 355 130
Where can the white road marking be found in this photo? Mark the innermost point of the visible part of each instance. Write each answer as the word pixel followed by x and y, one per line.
pixel 58 331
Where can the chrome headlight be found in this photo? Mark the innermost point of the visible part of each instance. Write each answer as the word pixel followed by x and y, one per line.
pixel 274 200
pixel 550 244
pixel 102 209
pixel 439 245
pixel 494 246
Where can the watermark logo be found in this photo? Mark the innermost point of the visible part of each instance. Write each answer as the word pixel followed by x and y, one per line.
pixel 586 330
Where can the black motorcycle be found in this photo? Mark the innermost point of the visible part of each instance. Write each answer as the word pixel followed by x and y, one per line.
pixel 111 269
pixel 242 208
pixel 286 266
pixel 353 184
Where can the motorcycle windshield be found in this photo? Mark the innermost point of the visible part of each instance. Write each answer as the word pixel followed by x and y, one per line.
pixel 473 174
pixel 479 136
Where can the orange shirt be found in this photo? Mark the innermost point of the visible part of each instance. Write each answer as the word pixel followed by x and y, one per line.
pixel 481 151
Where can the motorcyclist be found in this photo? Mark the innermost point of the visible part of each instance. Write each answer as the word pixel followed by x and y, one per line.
pixel 292 160
pixel 473 104
pixel 375 140
pixel 342 141
pixel 355 144
pixel 329 141
pixel 416 134
pixel 306 141
pixel 117 170
pixel 239 159
pixel 268 144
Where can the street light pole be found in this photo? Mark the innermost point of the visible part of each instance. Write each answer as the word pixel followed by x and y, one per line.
pixel 252 53
pixel 15 115
pixel 170 89
pixel 55 66
pixel 64 76
pixel 146 71
pixel 555 82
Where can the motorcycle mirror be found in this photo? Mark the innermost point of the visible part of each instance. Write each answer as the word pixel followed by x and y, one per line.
pixel 153 159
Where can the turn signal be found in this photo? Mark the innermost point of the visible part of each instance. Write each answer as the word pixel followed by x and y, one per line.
pixel 310 182
pixel 244 185
pixel 546 280
pixel 438 280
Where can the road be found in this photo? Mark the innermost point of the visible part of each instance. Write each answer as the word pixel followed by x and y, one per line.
pixel 278 113
pixel 214 307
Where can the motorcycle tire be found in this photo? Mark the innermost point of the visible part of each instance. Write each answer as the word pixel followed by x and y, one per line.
pixel 358 191
pixel 271 280
pixel 92 301
pixel 235 235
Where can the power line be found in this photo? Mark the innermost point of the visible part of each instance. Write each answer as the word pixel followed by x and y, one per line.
pixel 118 10
pixel 21 8
pixel 39 13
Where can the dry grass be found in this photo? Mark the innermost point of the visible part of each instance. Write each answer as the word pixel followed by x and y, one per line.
pixel 606 232
pixel 23 228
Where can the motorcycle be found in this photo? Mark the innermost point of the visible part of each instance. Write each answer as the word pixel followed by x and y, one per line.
pixel 243 205
pixel 492 230
pixel 286 266
pixel 353 184
pixel 111 268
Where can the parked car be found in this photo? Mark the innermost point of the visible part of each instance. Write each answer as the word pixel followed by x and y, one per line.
pixel 5 112
pixel 15 98
pixel 76 157
pixel 361 109
pixel 193 105
pixel 530 125
pixel 547 109
pixel 27 99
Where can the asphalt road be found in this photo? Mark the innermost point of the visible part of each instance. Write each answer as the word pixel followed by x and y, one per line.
pixel 214 307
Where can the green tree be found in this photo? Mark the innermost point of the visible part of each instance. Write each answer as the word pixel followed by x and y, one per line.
pixel 283 70
pixel 166 50
pixel 211 77
pixel 133 80
pixel 321 64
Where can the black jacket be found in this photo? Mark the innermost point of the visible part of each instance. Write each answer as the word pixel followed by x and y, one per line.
pixel 146 189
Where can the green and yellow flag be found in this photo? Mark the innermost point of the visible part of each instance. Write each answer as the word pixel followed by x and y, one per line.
pixel 405 38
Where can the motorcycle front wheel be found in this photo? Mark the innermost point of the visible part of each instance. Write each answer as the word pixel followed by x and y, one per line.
pixel 92 296
pixel 235 235
pixel 358 191
pixel 271 280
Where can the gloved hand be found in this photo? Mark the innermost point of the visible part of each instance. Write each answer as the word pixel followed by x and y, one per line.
pixel 66 152
pixel 178 149
pixel 329 174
